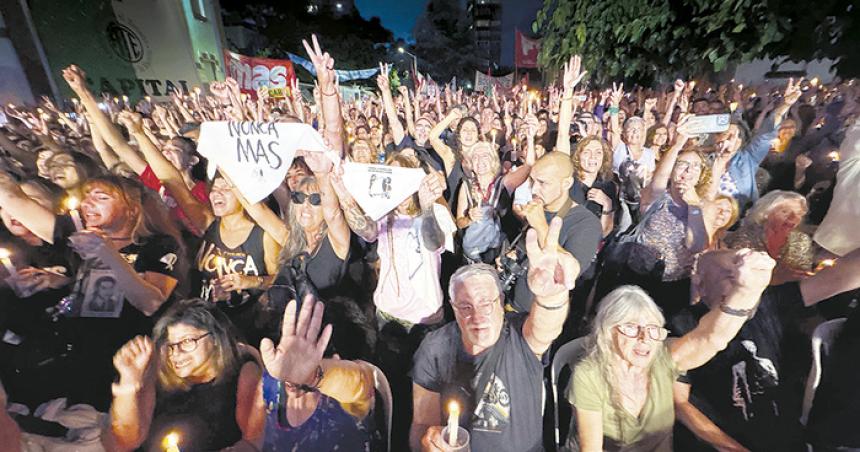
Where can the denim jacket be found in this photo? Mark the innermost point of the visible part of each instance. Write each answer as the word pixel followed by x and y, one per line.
pixel 745 162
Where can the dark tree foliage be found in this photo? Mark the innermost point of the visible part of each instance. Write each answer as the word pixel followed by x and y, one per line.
pixel 644 39
pixel 444 43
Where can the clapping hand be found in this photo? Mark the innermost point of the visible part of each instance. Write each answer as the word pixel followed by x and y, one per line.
pixel 552 270
pixel 303 342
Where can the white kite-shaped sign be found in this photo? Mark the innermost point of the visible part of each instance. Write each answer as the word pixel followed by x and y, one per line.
pixel 256 155
pixel 378 189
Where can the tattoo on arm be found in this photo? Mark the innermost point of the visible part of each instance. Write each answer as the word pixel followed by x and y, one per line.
pixel 433 236
pixel 363 226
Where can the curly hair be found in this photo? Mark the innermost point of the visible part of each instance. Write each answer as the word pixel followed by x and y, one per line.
pixel 605 169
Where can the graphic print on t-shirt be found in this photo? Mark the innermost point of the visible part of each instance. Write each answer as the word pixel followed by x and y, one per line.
pixel 493 413
pixel 750 380
pixel 218 262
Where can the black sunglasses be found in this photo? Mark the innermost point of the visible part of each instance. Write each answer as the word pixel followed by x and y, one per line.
pixel 299 198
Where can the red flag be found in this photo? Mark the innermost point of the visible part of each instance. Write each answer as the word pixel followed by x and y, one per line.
pixel 526 51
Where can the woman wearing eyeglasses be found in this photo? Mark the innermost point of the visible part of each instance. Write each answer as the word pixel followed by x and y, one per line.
pixel 192 382
pixel 672 229
pixel 622 389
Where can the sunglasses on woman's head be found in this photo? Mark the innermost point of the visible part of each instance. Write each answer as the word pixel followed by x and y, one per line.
pixel 299 198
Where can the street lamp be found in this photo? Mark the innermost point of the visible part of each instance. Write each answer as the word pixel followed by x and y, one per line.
pixel 414 58
pixel 468 85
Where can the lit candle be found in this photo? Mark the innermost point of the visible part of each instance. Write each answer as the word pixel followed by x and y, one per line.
pixel 453 422
pixel 733 106
pixel 814 82
pixel 125 99
pixel 219 266
pixel 834 156
pixel 170 443
pixel 116 100
pixel 148 98
pixel 493 133
pixel 5 258
pixel 72 205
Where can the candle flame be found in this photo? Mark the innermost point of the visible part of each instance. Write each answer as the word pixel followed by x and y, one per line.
pixel 72 203
pixel 733 106
pixel 196 90
pixel 814 82
pixel 148 98
pixel 125 98
pixel 170 441
pixel 834 156
pixel 4 253
pixel 828 262
pixel 454 408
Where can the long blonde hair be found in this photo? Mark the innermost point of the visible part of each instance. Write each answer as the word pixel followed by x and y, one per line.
pixel 297 242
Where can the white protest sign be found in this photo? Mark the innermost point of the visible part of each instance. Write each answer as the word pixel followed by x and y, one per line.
pixel 378 189
pixel 256 155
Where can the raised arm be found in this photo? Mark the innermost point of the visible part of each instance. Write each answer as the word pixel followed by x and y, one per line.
pixel 430 190
pixel 39 220
pixel 200 214
pixel 100 122
pixel 407 109
pixel 670 109
pixel 614 103
pixel 388 104
pixel 746 275
pixel 439 146
pixel 133 397
pixel 362 225
pixel 327 79
pixel 842 277
pixel 663 172
pixel 552 274
pixel 572 76
pixel 338 230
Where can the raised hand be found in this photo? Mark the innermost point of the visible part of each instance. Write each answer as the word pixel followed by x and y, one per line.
pixel 134 360
pixel 754 271
pixel 220 90
pixel 573 74
pixel 76 78
pixel 679 87
pixel 552 270
pixel 131 121
pixel 382 78
pixel 323 63
pixel 792 92
pixel 303 342
pixel 616 94
pixel 430 190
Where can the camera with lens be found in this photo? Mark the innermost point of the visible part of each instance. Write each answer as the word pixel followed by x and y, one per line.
pixel 512 266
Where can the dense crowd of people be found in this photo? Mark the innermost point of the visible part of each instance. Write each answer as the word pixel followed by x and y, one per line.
pixel 148 305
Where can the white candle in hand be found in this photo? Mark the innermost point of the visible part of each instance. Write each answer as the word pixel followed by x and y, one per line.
pixel 170 443
pixel 72 205
pixel 453 422
pixel 5 258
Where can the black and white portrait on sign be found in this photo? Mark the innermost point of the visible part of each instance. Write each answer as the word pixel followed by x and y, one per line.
pixel 102 296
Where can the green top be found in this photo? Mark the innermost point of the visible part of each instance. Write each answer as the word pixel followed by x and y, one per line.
pixel 652 431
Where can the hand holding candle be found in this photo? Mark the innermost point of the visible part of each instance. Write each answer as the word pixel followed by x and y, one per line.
pixel 72 205
pixel 453 422
pixel 6 260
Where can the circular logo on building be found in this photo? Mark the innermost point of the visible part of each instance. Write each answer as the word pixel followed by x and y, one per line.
pixel 125 43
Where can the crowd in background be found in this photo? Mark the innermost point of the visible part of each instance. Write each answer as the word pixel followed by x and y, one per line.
pixel 147 304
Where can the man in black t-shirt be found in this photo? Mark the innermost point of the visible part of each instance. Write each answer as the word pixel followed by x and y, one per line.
pixel 581 232
pixel 748 391
pixel 490 363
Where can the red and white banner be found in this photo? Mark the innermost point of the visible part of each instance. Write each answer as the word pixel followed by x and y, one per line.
pixel 526 51
pixel 485 83
pixel 253 72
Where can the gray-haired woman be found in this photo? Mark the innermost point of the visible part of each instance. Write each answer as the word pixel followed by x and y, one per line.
pixel 622 389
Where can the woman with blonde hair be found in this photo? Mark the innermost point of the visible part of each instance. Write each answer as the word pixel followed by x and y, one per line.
pixel 622 390
pixel 771 225
pixel 192 380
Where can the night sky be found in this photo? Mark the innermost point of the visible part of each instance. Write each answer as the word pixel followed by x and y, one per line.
pixel 397 15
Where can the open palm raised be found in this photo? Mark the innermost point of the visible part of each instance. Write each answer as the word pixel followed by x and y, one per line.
pixel 303 342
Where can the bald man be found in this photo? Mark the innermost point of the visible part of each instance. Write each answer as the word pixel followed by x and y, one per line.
pixel 581 232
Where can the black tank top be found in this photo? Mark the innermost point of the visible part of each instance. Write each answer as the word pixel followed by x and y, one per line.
pixel 215 259
pixel 325 269
pixel 204 416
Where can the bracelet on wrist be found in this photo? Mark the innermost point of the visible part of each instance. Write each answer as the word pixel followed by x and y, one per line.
pixel 313 387
pixel 550 307
pixel 614 110
pixel 738 312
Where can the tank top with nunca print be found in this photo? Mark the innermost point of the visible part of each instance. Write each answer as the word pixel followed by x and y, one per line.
pixel 215 259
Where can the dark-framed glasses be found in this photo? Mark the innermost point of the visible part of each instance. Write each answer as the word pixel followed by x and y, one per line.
pixel 186 345
pixel 299 198
pixel 634 331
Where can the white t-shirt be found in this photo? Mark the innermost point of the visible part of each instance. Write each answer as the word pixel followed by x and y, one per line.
pixel 837 232
pixel 648 159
